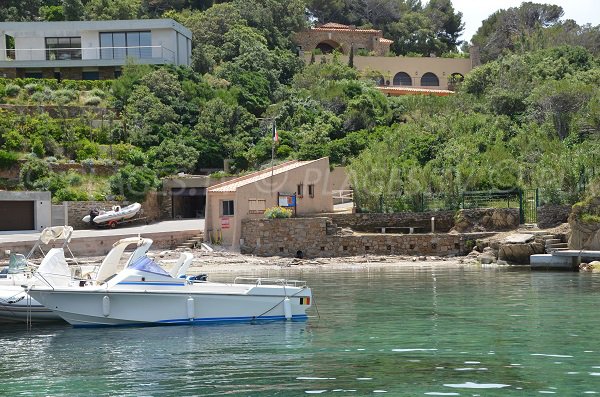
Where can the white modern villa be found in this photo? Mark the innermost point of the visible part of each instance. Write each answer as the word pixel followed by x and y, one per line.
pixel 89 50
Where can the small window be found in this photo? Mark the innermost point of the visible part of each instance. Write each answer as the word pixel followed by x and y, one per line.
pixel 90 75
pixel 228 207
pixel 300 190
pixel 311 190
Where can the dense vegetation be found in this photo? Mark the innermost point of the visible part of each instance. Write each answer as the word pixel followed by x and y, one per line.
pixel 530 117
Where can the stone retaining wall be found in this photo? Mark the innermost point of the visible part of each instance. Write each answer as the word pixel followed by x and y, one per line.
pixel 444 221
pixel 552 215
pixel 309 237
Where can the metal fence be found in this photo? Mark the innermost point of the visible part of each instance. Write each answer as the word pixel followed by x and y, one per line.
pixel 526 200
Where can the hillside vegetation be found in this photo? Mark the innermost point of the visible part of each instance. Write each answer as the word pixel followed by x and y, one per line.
pixel 530 117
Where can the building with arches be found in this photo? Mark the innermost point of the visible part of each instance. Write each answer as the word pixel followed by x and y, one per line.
pixel 396 75
pixel 337 37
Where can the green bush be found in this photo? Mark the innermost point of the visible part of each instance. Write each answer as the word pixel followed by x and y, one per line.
pixel 32 171
pixel 97 92
pixel 13 140
pixel 92 101
pixel 86 150
pixel 69 194
pixel 12 90
pixel 37 147
pixel 133 182
pixel 278 213
pixel 31 88
pixel 7 159
pixel 64 95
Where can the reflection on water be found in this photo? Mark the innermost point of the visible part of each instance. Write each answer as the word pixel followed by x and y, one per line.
pixel 431 331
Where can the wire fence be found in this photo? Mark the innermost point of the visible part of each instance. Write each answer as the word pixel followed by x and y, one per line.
pixel 526 200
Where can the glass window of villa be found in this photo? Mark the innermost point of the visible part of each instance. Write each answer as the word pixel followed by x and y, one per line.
pixel 118 45
pixel 63 48
pixel 430 80
pixel 311 190
pixel 402 78
pixel 300 190
pixel 228 207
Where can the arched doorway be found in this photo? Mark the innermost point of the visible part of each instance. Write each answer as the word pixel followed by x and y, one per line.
pixel 328 46
pixel 402 78
pixel 430 80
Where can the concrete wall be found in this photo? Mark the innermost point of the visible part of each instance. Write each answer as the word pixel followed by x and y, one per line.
pixel 42 207
pixel 101 245
pixel 311 236
pixel 339 179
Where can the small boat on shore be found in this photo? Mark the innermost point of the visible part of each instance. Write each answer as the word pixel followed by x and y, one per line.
pixel 146 294
pixel 16 305
pixel 115 215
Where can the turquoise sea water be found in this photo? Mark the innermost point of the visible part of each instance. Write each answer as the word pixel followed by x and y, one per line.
pixel 403 332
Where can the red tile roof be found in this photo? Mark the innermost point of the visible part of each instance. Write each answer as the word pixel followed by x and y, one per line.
pixel 404 90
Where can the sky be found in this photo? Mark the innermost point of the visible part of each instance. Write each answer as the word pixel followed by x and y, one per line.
pixel 475 11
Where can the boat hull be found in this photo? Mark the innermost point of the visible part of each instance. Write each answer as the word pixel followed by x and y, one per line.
pixel 17 306
pixel 119 308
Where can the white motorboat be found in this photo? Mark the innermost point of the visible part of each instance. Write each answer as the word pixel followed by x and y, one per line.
pixel 112 217
pixel 145 294
pixel 17 305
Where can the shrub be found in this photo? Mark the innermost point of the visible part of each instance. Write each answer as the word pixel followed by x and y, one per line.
pixel 7 159
pixel 97 92
pixel 86 150
pixel 37 147
pixel 31 88
pixel 69 194
pixel 45 95
pixel 64 96
pixel 278 212
pixel 73 178
pixel 12 90
pixel 133 182
pixel 92 101
pixel 33 170
pixel 13 140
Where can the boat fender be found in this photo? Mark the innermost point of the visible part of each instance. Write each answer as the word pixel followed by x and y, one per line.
pixel 106 306
pixel 287 308
pixel 191 312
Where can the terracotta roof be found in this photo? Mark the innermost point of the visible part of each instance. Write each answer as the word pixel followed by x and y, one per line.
pixel 322 29
pixel 404 90
pixel 386 41
pixel 334 25
pixel 232 185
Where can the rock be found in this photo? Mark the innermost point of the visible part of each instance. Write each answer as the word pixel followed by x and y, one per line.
pixel 486 259
pixel 500 262
pixel 519 253
pixel 422 258
pixel 519 238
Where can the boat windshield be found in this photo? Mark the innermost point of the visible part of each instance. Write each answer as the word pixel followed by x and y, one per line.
pixel 146 264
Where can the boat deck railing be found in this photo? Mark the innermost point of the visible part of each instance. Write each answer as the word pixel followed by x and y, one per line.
pixel 269 281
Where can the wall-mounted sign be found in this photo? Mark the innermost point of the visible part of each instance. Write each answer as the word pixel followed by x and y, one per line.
pixel 286 200
pixel 224 222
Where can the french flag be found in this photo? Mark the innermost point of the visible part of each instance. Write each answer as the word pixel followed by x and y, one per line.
pixel 275 134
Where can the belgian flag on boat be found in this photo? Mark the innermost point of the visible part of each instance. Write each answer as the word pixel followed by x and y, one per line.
pixel 305 300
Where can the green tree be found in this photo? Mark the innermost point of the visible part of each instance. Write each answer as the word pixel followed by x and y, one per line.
pixel 133 182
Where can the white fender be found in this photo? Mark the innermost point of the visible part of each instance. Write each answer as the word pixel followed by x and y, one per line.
pixel 287 308
pixel 106 306
pixel 191 311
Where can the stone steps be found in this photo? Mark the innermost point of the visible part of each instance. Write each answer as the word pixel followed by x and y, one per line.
pixel 192 243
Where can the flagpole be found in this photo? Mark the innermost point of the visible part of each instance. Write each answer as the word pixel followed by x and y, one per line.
pixel 273 156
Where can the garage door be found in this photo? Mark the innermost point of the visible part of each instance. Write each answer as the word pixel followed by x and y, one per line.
pixel 16 215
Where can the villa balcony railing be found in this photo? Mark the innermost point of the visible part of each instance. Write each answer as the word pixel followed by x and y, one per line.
pixel 89 53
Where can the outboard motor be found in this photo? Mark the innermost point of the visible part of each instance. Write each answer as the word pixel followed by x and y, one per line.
pixel 94 213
